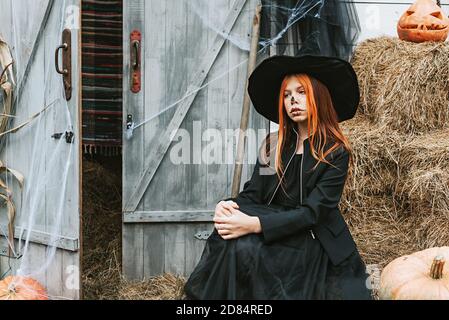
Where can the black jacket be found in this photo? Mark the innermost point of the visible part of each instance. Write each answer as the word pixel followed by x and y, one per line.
pixel 321 190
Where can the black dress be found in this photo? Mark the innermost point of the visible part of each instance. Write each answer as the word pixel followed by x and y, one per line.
pixel 297 267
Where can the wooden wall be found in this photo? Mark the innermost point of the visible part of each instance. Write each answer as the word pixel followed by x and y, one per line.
pixel 33 30
pixel 158 236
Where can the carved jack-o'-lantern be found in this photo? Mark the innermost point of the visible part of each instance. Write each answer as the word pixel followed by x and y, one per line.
pixel 423 21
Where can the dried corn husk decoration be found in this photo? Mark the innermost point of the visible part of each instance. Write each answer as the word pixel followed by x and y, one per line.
pixel 6 84
pixel 6 195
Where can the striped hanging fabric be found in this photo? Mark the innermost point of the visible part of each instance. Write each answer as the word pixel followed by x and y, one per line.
pixel 102 76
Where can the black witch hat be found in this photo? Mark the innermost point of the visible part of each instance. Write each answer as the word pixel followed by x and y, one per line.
pixel 336 74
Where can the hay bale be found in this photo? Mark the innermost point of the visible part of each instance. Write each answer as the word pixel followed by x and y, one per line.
pixel 404 85
pixel 376 153
pixel 424 187
pixel 396 199
pixel 380 231
pixel 424 177
pixel 431 229
pixel 412 169
pixel 425 190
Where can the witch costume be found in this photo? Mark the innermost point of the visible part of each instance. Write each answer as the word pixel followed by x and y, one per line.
pixel 305 249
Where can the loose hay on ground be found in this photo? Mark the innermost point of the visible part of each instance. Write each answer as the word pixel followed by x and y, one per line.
pixel 165 287
pixel 102 277
pixel 101 219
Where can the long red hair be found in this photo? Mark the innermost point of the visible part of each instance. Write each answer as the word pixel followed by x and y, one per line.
pixel 322 122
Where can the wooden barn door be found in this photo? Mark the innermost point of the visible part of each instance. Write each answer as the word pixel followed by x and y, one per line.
pixel 168 206
pixel 46 149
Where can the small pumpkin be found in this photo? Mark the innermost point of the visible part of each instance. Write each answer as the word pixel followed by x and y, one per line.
pixel 21 288
pixel 418 276
pixel 423 21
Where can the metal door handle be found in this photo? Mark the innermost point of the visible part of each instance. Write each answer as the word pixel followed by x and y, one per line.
pixel 58 70
pixel 136 56
pixel 135 60
pixel 66 71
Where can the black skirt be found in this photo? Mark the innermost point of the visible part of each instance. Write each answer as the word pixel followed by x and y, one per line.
pixel 296 267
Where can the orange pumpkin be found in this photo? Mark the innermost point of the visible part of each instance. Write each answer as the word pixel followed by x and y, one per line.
pixel 419 276
pixel 21 288
pixel 423 21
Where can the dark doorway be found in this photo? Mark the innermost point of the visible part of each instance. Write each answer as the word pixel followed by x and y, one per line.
pixel 102 61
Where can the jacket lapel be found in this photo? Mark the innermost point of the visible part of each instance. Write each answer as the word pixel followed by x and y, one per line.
pixel 286 156
pixel 308 163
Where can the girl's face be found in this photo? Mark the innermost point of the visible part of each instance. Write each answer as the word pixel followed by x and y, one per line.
pixel 295 100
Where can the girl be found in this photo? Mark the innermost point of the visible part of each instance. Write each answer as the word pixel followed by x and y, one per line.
pixel 283 236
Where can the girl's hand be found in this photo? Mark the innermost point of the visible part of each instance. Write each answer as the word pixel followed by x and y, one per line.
pixel 224 208
pixel 236 224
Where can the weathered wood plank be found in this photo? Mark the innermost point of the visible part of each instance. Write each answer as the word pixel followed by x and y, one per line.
pixel 166 190
pixel 175 253
pixel 133 104
pixel 72 260
pixel 217 107
pixel 168 216
pixel 34 264
pixel 77 264
pixel 196 172
pixel 133 251
pixel 63 185
pixel 71 222
pixel 6 26
pixel 54 271
pixel 45 238
pixel 194 247
pixel 156 17
pixel 30 19
pixel 158 152
pixel 132 236
pixel 154 249
pixel 71 273
pixel 173 179
pixel 62 275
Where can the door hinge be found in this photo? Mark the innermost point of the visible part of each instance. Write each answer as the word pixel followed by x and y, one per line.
pixel 5 252
pixel 129 126
pixel 68 136
pixel 203 235
pixel 129 121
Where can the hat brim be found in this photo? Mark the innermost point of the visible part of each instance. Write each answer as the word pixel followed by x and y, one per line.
pixel 336 74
